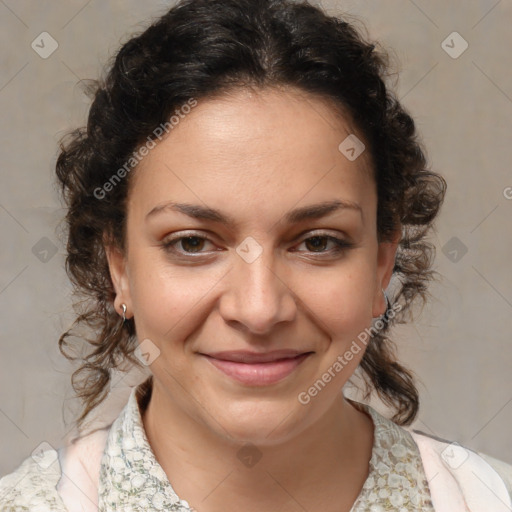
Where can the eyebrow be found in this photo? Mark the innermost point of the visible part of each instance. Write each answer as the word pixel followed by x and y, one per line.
pixel 313 211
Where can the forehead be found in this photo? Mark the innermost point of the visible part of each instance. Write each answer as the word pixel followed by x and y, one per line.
pixel 248 148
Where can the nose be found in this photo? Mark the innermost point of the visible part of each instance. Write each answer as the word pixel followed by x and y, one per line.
pixel 258 295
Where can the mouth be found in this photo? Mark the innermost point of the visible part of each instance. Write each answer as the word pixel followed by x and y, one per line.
pixel 257 369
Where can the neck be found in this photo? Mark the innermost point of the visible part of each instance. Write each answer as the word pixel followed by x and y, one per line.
pixel 322 468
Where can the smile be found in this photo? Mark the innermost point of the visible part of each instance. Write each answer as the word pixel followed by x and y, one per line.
pixel 257 369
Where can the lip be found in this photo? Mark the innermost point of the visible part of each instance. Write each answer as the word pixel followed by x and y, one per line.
pixel 257 369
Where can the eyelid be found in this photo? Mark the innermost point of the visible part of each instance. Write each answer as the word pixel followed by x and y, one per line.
pixel 176 237
pixel 319 232
pixel 300 236
pixel 341 242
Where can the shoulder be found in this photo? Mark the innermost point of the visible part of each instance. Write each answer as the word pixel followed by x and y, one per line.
pixel 32 485
pixel 477 476
pixel 61 480
pixel 80 462
pixel 502 468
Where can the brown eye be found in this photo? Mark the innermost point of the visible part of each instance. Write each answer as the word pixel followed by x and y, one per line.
pixel 184 245
pixel 318 244
pixel 191 243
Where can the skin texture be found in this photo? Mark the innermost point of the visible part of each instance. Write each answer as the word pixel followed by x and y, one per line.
pixel 254 156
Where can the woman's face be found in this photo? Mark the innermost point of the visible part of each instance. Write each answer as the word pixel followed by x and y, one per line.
pixel 250 262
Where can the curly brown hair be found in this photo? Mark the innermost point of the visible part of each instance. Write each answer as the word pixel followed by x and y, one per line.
pixel 201 49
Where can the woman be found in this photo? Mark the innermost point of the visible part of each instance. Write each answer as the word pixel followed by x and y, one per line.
pixel 246 195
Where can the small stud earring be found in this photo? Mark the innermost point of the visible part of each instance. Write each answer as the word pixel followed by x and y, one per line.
pixel 124 312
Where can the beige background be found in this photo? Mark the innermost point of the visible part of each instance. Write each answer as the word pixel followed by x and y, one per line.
pixel 460 347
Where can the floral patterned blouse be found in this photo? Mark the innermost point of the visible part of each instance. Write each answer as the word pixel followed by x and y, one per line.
pixel 131 479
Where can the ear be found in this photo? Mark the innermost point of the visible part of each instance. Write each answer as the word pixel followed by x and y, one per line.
pixel 118 273
pixel 385 263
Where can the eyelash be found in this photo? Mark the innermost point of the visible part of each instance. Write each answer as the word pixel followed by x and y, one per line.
pixel 340 245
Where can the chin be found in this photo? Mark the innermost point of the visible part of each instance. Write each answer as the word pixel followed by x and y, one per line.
pixel 260 424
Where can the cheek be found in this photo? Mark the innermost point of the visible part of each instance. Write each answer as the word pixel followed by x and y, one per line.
pixel 167 301
pixel 344 307
pixel 346 311
pixel 343 299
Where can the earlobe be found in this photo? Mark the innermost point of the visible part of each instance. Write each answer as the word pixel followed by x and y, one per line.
pixel 385 264
pixel 387 255
pixel 117 266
